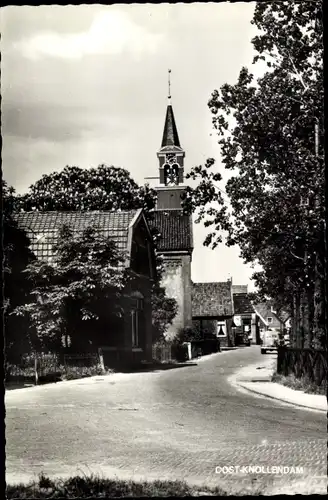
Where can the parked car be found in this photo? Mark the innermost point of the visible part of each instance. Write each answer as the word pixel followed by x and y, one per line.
pixel 270 341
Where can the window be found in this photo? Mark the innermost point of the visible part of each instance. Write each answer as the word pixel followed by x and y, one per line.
pixel 221 329
pixel 269 319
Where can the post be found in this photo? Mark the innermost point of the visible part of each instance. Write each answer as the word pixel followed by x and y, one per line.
pixel 101 359
pixel 36 369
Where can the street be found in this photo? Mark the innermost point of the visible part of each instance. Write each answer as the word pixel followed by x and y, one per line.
pixel 180 423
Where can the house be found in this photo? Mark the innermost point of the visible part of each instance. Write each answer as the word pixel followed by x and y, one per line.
pixel 212 308
pixel 271 318
pixel 245 318
pixel 131 338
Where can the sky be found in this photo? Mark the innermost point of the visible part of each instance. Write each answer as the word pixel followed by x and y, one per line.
pixel 84 85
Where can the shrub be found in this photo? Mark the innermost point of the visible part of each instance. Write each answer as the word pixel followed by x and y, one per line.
pixel 186 334
pixel 74 372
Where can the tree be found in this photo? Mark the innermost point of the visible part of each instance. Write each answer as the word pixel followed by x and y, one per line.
pixel 271 138
pixel 86 272
pixel 16 290
pixel 74 188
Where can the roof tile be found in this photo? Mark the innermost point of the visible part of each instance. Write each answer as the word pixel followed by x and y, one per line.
pixel 212 299
pixel 42 227
pixel 175 229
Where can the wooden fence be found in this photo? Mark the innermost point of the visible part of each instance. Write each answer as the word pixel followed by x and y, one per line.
pixel 308 363
pixel 162 352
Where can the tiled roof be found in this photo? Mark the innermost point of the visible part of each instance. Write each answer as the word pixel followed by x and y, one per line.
pixel 42 227
pixel 170 134
pixel 211 299
pixel 175 229
pixel 242 304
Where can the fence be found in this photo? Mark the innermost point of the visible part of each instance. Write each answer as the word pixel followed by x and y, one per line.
pixel 162 352
pixel 49 367
pixel 308 363
pixel 34 367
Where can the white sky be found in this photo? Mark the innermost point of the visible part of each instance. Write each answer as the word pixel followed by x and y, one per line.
pixel 84 85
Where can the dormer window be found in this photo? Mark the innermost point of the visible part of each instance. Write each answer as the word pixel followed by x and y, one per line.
pixel 269 319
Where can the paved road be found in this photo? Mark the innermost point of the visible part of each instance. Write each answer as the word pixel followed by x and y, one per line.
pixel 178 424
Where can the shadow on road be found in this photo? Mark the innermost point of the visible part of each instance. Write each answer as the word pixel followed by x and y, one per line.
pixel 157 367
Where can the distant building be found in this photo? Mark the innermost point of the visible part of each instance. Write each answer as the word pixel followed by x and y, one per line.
pixel 212 309
pixel 245 318
pixel 271 318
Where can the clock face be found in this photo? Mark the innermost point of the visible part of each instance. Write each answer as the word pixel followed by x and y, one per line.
pixel 171 158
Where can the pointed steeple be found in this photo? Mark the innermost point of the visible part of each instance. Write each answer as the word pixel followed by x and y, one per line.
pixel 170 134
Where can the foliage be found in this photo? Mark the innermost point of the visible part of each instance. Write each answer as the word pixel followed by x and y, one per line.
pixel 304 384
pixel 267 132
pixel 187 334
pixel 85 274
pixel 99 487
pixel 16 290
pixel 75 188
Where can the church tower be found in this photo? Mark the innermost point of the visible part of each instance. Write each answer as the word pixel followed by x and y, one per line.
pixel 175 228
pixel 171 164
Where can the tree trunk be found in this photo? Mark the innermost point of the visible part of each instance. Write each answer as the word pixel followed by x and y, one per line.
pixel 319 326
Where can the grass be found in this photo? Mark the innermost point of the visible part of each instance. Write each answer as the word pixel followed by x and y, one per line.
pixel 97 487
pixel 300 384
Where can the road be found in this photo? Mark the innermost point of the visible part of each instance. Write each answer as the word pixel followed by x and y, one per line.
pixel 172 424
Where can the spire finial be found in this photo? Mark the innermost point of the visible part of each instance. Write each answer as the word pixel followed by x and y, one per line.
pixel 169 82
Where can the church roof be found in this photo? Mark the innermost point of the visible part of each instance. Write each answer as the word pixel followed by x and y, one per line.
pixel 175 230
pixel 42 227
pixel 170 134
pixel 212 300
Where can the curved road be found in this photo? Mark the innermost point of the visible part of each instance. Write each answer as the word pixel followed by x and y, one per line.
pixel 172 424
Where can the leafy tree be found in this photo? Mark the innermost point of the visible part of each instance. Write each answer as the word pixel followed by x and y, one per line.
pixel 271 138
pixel 74 188
pixel 85 273
pixel 16 290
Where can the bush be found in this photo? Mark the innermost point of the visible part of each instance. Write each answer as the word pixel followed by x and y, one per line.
pixel 180 352
pixel 75 372
pixel 187 334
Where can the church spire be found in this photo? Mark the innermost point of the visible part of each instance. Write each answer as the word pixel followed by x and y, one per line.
pixel 170 134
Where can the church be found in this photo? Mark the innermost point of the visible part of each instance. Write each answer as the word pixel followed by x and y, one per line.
pixel 197 302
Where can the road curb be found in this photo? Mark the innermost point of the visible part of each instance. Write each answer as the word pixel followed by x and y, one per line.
pixel 269 396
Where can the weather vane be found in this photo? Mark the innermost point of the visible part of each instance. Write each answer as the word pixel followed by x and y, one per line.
pixel 169 78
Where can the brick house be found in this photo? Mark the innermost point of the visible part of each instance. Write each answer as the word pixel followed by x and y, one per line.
pixel 212 309
pixel 130 340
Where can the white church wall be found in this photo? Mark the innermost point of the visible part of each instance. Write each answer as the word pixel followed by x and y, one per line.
pixel 174 287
